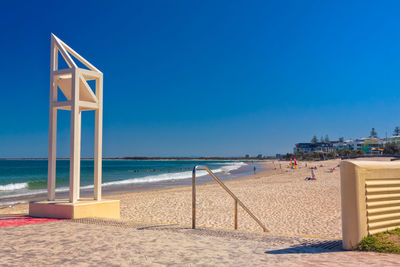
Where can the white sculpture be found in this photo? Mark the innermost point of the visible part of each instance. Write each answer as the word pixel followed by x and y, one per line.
pixel 80 97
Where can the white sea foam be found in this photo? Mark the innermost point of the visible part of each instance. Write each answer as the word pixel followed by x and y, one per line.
pixel 147 179
pixel 175 175
pixel 12 187
pixel 232 167
pixel 156 178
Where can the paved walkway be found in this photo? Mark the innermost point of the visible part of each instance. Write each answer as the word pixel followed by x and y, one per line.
pixel 12 220
pixel 104 242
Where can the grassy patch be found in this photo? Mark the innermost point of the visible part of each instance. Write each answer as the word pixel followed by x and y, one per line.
pixel 386 242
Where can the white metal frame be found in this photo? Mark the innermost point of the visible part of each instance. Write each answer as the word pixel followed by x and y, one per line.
pixel 80 97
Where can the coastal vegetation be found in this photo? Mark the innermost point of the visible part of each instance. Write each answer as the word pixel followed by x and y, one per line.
pixel 386 242
pixel 318 155
pixel 323 148
pixel 391 149
pixel 322 139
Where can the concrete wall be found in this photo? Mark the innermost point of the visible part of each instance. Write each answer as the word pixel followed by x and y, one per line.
pixel 370 193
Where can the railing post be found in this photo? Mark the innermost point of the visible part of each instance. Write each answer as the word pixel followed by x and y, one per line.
pixel 236 214
pixel 194 198
pixel 237 201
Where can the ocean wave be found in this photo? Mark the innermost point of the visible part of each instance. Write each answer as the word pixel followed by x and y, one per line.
pixel 232 167
pixel 33 188
pixel 156 178
pixel 12 187
pixel 174 176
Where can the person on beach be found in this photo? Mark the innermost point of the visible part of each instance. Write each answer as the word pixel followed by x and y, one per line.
pixel 312 178
pixel 254 169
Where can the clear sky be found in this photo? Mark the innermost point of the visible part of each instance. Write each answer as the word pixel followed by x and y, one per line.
pixel 204 78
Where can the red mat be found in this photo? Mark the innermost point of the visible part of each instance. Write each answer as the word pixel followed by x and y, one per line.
pixel 24 220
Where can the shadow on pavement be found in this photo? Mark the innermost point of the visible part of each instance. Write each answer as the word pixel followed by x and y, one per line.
pixel 310 247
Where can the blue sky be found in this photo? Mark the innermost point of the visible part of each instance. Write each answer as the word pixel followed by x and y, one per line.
pixel 205 78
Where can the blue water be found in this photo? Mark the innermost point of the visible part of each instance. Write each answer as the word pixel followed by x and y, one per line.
pixel 26 177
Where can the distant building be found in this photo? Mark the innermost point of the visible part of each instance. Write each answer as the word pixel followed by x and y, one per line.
pixel 373 146
pixel 393 139
pixel 370 145
pixel 303 147
pixel 349 145
pixel 343 145
pixel 247 156
pixel 260 156
pixel 314 147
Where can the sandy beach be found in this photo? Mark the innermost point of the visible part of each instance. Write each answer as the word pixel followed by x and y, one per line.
pixel 74 243
pixel 303 218
pixel 279 197
pixel 80 244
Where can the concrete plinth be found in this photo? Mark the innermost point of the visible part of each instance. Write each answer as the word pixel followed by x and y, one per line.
pixel 84 208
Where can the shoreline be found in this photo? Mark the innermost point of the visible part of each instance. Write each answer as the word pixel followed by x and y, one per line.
pixel 14 201
pixel 279 197
pixel 265 171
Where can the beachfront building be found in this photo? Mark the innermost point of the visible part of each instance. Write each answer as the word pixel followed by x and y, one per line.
pixel 393 139
pixel 373 146
pixel 314 147
pixel 343 145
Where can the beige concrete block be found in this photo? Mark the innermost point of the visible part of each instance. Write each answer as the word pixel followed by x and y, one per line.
pixel 84 208
pixel 370 195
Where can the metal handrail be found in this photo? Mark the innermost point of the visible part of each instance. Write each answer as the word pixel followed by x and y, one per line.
pixel 237 201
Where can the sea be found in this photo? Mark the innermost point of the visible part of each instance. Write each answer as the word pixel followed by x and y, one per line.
pixel 26 180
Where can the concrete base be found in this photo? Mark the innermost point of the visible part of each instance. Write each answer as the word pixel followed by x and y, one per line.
pixel 84 208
